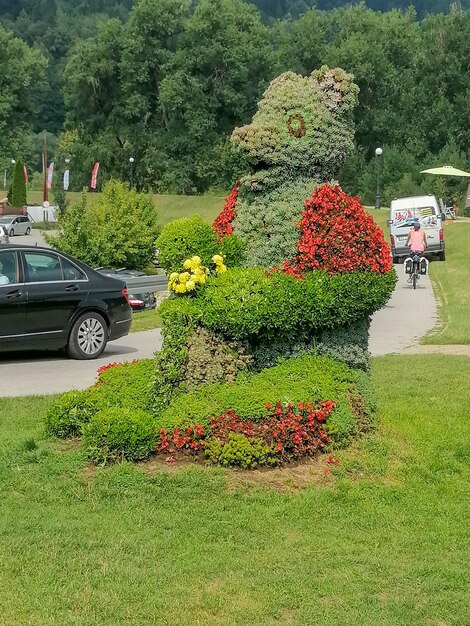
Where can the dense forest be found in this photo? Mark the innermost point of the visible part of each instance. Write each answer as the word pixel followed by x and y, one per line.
pixel 165 82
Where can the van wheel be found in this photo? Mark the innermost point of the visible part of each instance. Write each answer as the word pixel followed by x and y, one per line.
pixel 442 256
pixel 88 337
pixel 396 260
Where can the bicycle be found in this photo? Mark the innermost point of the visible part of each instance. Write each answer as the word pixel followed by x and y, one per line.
pixel 415 265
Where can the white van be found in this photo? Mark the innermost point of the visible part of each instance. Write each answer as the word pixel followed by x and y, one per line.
pixel 404 212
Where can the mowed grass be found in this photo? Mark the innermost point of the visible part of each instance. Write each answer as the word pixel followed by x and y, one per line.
pixel 145 320
pixel 169 207
pixel 386 542
pixel 452 287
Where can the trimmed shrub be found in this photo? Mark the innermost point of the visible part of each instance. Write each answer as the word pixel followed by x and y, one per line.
pixel 117 434
pixel 184 238
pixel 466 211
pixel 233 249
pixel 66 416
pixel 305 379
pixel 127 385
pixel 240 451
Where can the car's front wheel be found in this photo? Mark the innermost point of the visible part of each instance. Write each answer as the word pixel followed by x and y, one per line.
pixel 88 337
pixel 28 231
pixel 11 233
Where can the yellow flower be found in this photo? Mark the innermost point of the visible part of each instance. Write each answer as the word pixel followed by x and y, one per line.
pixel 199 278
pixel 184 277
pixel 220 269
pixel 188 264
pixel 196 261
pixel 180 288
pixel 174 275
pixel 190 285
pixel 218 259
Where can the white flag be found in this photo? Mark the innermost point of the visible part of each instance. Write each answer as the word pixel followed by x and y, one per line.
pixel 66 180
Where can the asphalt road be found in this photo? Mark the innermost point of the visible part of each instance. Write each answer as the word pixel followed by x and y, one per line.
pixel 35 373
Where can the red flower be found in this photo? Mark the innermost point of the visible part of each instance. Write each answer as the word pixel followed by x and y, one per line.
pixel 223 222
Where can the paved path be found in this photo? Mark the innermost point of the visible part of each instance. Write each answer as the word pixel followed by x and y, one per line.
pixel 409 315
pixel 23 374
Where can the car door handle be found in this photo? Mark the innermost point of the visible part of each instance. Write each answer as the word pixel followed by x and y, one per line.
pixel 13 294
pixel 72 288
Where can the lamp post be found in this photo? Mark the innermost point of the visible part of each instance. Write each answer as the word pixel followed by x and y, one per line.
pixel 131 167
pixel 378 154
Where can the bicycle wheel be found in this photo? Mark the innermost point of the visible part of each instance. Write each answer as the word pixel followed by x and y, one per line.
pixel 415 280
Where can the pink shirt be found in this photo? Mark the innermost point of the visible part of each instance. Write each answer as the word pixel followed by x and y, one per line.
pixel 417 241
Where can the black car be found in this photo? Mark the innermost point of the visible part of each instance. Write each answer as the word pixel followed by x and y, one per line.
pixel 139 301
pixel 49 300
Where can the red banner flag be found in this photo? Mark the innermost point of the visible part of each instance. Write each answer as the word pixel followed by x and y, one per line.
pixel 94 175
pixel 25 174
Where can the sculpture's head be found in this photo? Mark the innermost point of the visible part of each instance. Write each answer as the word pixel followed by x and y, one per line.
pixel 303 127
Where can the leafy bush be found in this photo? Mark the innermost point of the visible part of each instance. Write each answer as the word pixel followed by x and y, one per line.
pixel 232 248
pixel 66 416
pixel 305 379
pixel 127 385
pixel 184 238
pixel 240 451
pixel 119 434
pixel 117 229
pixel 466 211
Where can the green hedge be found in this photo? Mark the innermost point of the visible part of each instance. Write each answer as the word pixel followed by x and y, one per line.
pixel 117 434
pixel 184 238
pixel 129 385
pixel 303 379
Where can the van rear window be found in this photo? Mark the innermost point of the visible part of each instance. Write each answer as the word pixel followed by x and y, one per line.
pixel 406 217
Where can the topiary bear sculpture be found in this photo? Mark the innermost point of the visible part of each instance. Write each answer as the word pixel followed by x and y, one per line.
pixel 300 136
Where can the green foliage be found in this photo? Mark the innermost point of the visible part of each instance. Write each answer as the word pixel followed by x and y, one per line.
pixel 239 451
pixel 244 302
pixel 303 379
pixel 66 416
pixel 18 186
pixel 466 211
pixel 212 359
pixel 128 385
pixel 349 344
pixel 233 249
pixel 117 229
pixel 184 238
pixel 117 434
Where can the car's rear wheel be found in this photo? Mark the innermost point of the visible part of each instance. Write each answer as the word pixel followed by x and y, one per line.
pixel 442 256
pixel 88 337
pixel 11 233
pixel 28 230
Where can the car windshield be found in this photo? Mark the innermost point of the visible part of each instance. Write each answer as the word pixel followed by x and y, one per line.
pixel 5 220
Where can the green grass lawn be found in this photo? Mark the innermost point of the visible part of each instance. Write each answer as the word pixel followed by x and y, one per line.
pixel 146 320
pixel 169 207
pixel 386 542
pixel 452 287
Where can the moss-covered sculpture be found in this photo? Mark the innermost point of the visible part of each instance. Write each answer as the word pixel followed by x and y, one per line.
pixel 300 136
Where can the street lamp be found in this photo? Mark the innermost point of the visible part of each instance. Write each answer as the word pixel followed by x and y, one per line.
pixel 378 154
pixel 131 166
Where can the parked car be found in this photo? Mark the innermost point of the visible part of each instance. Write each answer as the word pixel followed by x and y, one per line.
pixel 50 300
pixel 3 234
pixel 138 301
pixel 16 224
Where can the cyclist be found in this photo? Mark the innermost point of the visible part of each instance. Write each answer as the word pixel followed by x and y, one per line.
pixel 416 241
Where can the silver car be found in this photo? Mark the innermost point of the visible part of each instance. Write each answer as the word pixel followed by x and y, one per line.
pixel 3 234
pixel 16 224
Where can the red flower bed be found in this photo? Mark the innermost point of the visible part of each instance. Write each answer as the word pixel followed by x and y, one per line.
pixel 338 235
pixel 292 431
pixel 223 222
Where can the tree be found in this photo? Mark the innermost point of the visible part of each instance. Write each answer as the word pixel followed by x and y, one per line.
pixel 118 229
pixel 18 186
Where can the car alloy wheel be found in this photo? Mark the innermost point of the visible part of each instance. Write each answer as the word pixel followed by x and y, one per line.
pixel 88 337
